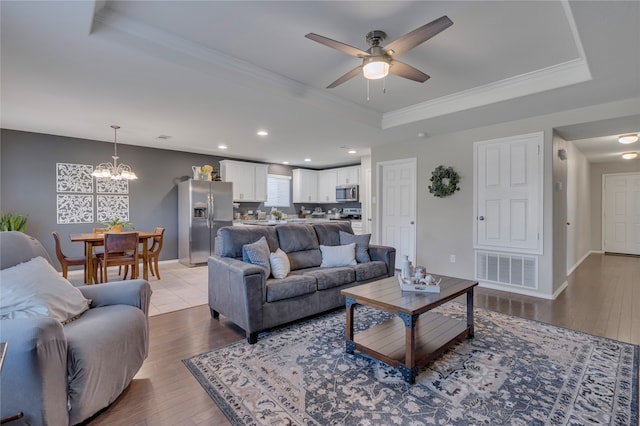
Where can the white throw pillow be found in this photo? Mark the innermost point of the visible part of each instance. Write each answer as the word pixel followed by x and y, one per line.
pixel 344 255
pixel 280 265
pixel 35 289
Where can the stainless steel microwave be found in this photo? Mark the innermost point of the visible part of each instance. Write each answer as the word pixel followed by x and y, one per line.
pixel 346 193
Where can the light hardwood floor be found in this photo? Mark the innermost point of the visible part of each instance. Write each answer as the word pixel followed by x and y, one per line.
pixel 602 299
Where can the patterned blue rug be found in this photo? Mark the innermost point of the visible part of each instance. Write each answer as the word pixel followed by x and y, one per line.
pixel 514 372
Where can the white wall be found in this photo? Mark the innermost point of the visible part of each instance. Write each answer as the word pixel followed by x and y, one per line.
pixel 445 225
pixel 578 207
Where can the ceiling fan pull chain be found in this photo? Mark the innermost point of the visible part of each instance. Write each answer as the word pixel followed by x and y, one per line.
pixel 367 90
pixel 384 85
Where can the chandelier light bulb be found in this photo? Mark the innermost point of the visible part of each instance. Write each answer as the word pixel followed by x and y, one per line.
pixel 114 170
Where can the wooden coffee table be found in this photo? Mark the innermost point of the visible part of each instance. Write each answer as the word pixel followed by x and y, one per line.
pixel 415 336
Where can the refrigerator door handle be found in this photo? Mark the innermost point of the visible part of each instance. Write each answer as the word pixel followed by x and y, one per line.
pixel 211 210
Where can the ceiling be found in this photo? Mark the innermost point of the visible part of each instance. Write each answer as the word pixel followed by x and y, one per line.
pixel 190 76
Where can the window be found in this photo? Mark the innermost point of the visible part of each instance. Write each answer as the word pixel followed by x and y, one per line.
pixel 278 191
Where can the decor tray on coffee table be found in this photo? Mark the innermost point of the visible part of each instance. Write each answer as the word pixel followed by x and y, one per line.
pixel 415 336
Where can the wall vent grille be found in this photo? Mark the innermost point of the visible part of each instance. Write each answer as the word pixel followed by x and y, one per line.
pixel 516 270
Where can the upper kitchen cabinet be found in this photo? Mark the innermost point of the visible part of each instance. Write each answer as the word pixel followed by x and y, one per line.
pixel 327 182
pixel 249 180
pixel 305 186
pixel 348 175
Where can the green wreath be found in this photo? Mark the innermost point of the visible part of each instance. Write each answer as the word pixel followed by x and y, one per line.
pixel 444 181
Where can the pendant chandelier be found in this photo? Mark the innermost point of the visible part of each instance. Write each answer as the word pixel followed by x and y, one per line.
pixel 114 170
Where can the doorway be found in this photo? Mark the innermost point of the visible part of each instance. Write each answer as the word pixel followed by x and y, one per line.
pixel 396 188
pixel 621 213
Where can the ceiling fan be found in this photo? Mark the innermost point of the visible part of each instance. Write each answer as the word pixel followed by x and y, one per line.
pixel 380 60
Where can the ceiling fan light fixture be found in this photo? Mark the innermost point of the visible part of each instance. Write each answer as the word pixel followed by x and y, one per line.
pixel 629 138
pixel 375 68
pixel 630 155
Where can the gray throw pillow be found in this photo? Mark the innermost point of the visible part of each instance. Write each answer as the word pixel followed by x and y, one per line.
pixel 362 245
pixel 258 254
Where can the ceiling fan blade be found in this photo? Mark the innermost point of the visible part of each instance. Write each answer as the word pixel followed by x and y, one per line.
pixel 417 36
pixel 338 45
pixel 407 71
pixel 348 76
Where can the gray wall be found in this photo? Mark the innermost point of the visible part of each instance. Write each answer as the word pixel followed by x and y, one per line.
pixel 28 184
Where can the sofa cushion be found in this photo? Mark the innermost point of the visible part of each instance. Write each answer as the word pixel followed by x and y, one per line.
pixel 35 289
pixel 300 242
pixel 338 255
pixel 291 286
pixel 230 239
pixel 328 232
pixel 106 348
pixel 334 277
pixel 362 245
pixel 370 270
pixel 257 253
pixel 280 266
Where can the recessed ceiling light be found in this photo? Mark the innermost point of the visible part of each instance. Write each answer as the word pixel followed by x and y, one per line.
pixel 352 151
pixel 222 146
pixel 307 159
pixel 629 138
pixel 285 162
pixel 630 155
pixel 262 133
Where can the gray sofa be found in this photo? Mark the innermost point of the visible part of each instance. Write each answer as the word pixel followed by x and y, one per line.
pixel 62 375
pixel 242 293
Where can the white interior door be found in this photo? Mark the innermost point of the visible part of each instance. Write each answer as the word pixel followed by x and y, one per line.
pixel 397 206
pixel 509 193
pixel 621 208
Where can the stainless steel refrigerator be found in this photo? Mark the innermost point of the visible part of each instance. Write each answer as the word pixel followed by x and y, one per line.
pixel 203 208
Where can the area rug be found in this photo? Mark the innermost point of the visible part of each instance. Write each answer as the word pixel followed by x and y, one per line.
pixel 513 372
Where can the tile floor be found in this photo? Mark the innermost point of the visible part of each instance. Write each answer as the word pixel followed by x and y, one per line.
pixel 180 287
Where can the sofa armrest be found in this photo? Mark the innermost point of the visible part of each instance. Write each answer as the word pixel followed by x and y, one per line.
pixel 34 373
pixel 386 254
pixel 132 292
pixel 237 290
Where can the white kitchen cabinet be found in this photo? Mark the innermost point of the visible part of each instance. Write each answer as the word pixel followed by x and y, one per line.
pixel 348 175
pixel 327 181
pixel 261 182
pixel 356 225
pixel 305 186
pixel 249 179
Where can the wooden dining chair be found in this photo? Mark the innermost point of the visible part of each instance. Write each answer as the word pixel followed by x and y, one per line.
pixel 66 261
pixel 154 252
pixel 120 249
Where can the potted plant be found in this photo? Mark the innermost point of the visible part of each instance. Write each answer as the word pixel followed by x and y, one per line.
pixel 115 224
pixel 12 222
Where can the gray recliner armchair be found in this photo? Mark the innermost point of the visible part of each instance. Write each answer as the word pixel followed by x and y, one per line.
pixel 62 375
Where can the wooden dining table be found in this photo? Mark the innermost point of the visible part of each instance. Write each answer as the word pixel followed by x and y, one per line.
pixel 91 240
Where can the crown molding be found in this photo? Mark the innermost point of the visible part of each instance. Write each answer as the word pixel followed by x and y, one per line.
pixel 549 78
pixel 553 77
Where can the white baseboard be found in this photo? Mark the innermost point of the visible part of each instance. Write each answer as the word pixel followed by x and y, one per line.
pixel 579 262
pixel 513 289
pixel 560 290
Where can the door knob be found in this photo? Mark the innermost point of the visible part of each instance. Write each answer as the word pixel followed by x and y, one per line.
pixel 481 218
